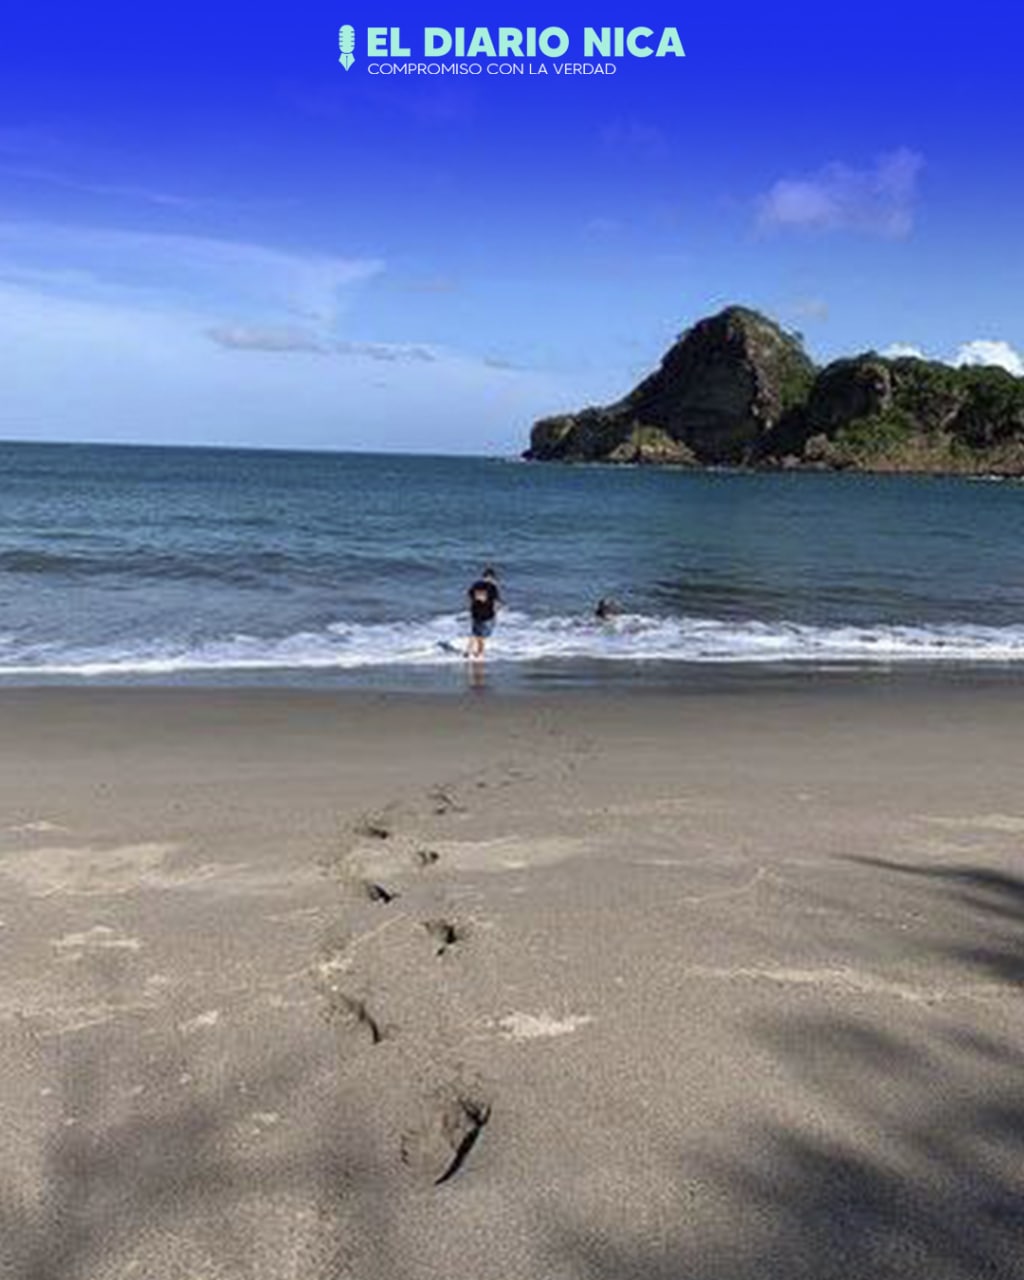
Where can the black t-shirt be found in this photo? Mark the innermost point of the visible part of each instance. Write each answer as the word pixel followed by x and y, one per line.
pixel 483 595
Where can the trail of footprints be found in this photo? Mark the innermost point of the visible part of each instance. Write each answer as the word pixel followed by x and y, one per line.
pixel 376 853
pixel 373 862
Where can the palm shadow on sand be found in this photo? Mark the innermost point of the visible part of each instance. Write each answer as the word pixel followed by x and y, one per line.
pixel 170 1186
pixel 922 1173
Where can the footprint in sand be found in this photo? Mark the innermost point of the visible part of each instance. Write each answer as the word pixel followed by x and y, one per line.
pixel 352 1009
pixel 443 801
pixel 378 893
pixel 373 829
pixel 446 933
pixel 451 1122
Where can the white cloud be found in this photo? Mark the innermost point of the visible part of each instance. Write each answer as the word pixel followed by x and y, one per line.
pixel 980 351
pixel 878 200
pixel 988 351
pixel 903 350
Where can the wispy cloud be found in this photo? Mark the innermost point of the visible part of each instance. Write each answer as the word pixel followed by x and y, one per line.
pixel 289 340
pixel 269 285
pixel 391 352
pixel 807 309
pixel 878 200
pixel 34 156
pixel 250 338
pixel 89 186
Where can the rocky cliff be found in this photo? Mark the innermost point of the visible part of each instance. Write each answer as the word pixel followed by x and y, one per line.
pixel 736 389
pixel 720 391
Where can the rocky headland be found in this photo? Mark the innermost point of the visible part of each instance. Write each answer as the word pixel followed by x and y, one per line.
pixel 737 390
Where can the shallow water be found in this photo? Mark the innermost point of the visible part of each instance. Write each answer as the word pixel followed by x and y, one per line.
pixel 170 564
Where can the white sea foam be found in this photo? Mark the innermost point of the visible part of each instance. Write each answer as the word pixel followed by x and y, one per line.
pixel 520 638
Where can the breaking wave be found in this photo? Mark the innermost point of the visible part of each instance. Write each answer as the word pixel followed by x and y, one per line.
pixel 520 638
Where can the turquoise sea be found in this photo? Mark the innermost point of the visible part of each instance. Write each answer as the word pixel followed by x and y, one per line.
pixel 168 565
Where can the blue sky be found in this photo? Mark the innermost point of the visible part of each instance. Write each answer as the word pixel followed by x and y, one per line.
pixel 211 232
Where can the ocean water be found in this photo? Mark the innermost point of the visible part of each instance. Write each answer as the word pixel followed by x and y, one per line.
pixel 169 565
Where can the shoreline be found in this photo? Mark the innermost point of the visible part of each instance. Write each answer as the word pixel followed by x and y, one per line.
pixel 619 678
pixel 781 467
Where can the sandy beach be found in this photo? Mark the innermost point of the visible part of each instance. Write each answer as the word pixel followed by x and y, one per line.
pixel 582 986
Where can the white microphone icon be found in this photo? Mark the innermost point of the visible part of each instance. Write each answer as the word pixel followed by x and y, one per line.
pixel 346 43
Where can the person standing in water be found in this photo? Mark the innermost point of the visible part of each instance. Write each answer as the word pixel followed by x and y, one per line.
pixel 484 598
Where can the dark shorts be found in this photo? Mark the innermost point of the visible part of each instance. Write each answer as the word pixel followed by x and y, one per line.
pixel 483 627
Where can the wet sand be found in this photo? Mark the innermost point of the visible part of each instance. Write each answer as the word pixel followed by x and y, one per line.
pixel 589 986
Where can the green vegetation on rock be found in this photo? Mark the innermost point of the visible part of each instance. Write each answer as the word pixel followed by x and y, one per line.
pixel 736 389
pixel 864 440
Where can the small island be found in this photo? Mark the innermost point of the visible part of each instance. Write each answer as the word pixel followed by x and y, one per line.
pixel 737 390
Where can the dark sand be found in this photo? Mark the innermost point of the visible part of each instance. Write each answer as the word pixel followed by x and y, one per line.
pixel 305 986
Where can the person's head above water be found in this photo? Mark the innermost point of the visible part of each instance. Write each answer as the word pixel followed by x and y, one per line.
pixel 488 572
